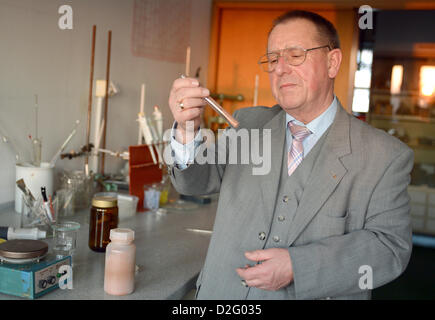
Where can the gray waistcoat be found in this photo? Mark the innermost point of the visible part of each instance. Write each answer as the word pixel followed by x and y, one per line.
pixel 289 194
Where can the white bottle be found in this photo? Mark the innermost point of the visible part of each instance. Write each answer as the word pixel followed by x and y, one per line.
pixel 120 263
pixel 9 233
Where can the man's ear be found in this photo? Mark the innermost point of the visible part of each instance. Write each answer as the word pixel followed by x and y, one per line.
pixel 334 62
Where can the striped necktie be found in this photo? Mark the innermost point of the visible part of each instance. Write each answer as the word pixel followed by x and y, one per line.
pixel 296 153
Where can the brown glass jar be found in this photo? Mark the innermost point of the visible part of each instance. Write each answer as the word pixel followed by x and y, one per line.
pixel 104 217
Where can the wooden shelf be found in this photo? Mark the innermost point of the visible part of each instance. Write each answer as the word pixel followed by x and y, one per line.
pixel 387 92
pixel 408 118
pixel 420 146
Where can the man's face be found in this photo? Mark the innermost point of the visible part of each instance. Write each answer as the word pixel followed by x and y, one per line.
pixel 301 87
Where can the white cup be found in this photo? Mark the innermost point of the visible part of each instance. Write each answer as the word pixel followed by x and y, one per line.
pixel 34 178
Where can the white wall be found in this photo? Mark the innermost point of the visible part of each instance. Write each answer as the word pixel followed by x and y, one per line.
pixel 36 57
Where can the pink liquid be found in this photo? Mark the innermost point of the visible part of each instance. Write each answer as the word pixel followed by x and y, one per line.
pixel 119 273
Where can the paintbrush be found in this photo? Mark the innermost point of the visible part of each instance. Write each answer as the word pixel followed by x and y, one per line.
pixel 22 186
pixel 29 199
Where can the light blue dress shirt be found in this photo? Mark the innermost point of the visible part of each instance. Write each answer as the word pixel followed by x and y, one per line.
pixel 318 126
pixel 184 153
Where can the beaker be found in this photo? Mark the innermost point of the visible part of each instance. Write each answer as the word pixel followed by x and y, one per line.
pixel 65 239
pixel 63 203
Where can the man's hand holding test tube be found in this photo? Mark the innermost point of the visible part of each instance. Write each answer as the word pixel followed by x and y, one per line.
pixel 186 101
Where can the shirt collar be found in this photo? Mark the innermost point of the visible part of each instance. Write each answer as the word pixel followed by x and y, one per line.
pixel 322 122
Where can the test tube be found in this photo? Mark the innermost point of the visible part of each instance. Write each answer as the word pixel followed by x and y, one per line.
pixel 224 113
pixel 37 145
pixel 221 111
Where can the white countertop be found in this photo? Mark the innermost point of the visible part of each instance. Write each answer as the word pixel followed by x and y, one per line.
pixel 169 257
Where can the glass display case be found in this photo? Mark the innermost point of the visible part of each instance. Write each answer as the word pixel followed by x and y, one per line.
pixel 402 102
pixel 395 91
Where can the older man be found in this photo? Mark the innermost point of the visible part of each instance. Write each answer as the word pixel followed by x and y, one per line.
pixel 331 218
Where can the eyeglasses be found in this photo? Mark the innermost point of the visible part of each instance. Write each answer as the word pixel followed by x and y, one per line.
pixel 293 56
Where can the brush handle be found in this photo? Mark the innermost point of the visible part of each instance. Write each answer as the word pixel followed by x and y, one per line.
pixel 22 186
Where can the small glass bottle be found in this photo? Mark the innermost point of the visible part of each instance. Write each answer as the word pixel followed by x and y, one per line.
pixel 120 263
pixel 104 217
pixel 165 186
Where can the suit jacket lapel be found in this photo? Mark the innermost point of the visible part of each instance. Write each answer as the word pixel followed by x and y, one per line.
pixel 326 174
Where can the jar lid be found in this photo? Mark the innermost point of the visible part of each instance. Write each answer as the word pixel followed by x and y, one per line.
pixel 104 202
pixel 122 234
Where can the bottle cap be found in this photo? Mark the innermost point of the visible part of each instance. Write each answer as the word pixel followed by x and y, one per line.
pixel 104 202
pixel 122 234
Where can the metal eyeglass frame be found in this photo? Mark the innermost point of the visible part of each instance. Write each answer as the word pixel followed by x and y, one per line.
pixel 280 53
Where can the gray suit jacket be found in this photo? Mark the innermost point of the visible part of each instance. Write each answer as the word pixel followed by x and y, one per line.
pixel 353 213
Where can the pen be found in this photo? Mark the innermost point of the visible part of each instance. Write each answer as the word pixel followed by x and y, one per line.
pixel 46 204
pixel 51 207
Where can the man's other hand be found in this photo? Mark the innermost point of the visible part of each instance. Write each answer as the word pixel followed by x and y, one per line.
pixel 274 271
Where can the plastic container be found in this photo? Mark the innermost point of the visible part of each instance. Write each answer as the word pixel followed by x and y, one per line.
pixel 127 205
pixel 104 217
pixel 151 199
pixel 34 178
pixel 120 263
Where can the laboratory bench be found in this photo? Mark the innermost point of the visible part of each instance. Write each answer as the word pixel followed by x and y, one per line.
pixel 168 257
